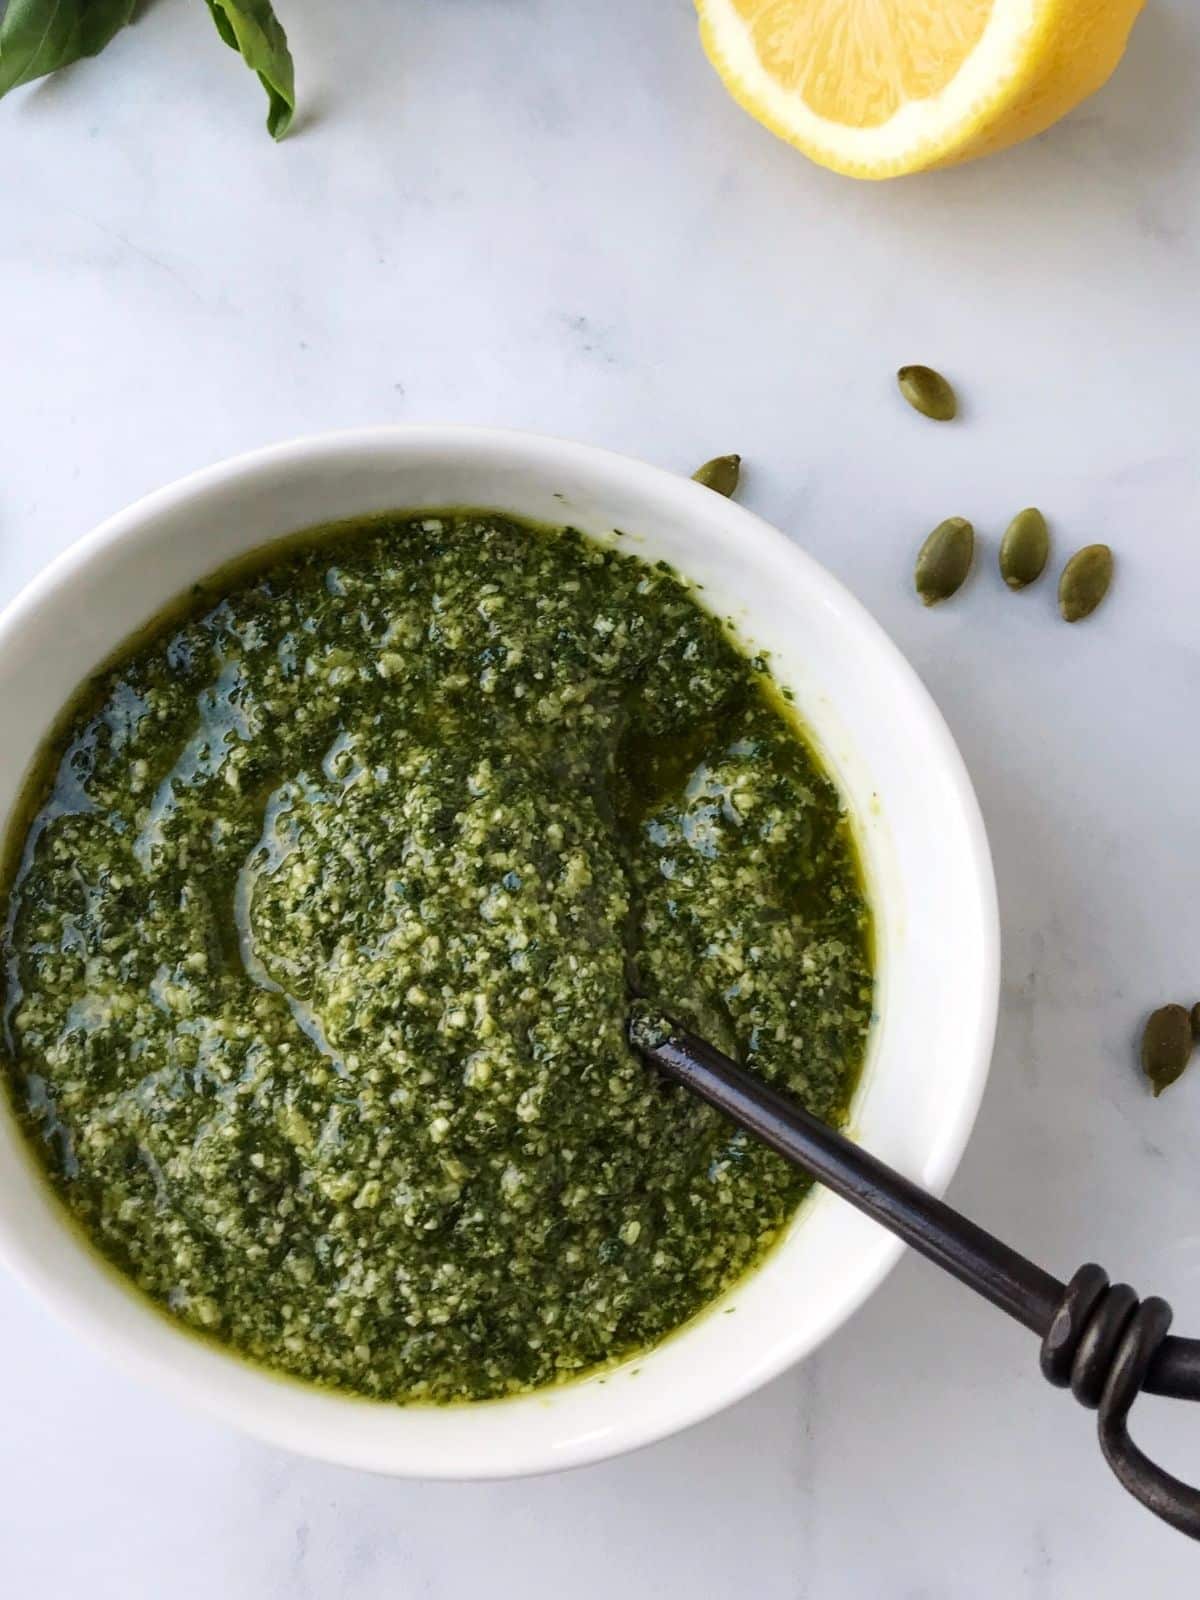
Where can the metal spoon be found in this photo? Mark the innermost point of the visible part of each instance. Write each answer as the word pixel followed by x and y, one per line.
pixel 1098 1338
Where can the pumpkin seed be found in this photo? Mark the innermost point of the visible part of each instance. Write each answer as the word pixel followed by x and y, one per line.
pixel 721 473
pixel 1166 1046
pixel 1085 581
pixel 928 392
pixel 1025 548
pixel 1195 1013
pixel 944 560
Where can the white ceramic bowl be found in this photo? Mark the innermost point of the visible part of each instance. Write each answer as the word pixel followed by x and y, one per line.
pixel 926 856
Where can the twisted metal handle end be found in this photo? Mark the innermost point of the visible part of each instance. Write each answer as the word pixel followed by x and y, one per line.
pixel 1101 1344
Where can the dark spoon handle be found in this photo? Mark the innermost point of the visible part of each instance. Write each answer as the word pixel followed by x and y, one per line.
pixel 1097 1338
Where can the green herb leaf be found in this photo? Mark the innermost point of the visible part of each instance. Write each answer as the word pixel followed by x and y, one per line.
pixel 39 36
pixel 252 29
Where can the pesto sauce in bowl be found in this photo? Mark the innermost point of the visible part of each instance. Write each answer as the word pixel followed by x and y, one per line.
pixel 321 933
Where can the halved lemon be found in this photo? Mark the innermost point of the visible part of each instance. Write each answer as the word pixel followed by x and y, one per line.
pixel 875 88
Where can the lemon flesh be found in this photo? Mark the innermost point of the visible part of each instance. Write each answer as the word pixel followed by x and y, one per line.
pixel 876 88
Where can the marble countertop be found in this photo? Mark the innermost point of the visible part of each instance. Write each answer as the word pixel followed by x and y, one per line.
pixel 550 216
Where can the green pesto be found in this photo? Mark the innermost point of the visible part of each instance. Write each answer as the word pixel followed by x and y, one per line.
pixel 321 933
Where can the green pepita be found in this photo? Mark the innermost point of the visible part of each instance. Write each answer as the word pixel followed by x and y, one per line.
pixel 1025 548
pixel 1195 1013
pixel 945 560
pixel 1085 581
pixel 1166 1046
pixel 721 473
pixel 928 392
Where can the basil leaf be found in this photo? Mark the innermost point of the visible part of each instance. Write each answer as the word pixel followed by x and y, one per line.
pixel 39 36
pixel 252 29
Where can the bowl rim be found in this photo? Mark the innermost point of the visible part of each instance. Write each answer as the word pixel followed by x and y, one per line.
pixel 644 1426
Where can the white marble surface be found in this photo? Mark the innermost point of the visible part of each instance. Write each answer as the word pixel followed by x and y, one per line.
pixel 549 216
